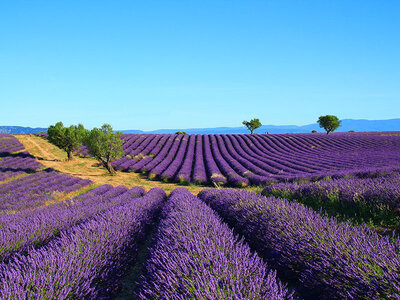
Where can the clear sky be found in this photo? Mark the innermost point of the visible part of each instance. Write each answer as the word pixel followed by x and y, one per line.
pixel 184 64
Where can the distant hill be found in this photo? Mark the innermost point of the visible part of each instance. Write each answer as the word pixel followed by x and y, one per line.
pixel 132 131
pixel 347 124
pixel 20 130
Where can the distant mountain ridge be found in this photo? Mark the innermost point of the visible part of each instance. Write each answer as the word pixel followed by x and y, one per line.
pixel 347 124
pixel 20 130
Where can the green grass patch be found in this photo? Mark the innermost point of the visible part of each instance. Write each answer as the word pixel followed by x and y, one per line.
pixel 378 217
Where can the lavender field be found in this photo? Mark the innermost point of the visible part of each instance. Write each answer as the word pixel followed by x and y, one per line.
pixel 200 150
pixel 63 237
pixel 240 160
pixel 14 161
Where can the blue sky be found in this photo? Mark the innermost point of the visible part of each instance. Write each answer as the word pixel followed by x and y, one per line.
pixel 184 64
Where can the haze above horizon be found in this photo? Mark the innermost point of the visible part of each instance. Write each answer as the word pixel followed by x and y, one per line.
pixel 197 64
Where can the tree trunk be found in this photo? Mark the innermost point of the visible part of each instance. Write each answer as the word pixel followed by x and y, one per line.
pixel 70 155
pixel 251 131
pixel 109 167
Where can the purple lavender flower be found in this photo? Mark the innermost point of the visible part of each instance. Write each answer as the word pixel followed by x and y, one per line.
pixel 196 256
pixel 323 258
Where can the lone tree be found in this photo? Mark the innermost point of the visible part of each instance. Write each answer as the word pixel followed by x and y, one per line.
pixel 67 138
pixel 105 145
pixel 329 123
pixel 252 125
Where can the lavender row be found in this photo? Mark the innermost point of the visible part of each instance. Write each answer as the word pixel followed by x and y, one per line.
pixel 169 157
pixel 9 144
pixel 375 201
pixel 382 191
pixel 196 256
pixel 214 174
pixel 42 134
pixel 161 148
pixel 199 175
pixel 87 260
pixel 229 167
pixel 11 174
pixel 151 137
pixel 35 228
pixel 136 162
pixel 136 152
pixel 183 176
pixel 323 258
pixel 176 161
pixel 239 160
pixel 34 190
pixel 162 153
pixel 16 164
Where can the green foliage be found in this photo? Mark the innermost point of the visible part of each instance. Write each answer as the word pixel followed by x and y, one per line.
pixel 252 125
pixel 357 212
pixel 329 123
pixel 314 131
pixel 180 132
pixel 67 138
pixel 105 145
pixel 351 130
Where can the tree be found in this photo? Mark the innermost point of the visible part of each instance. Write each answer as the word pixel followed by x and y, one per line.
pixel 67 138
pixel 329 123
pixel 180 132
pixel 252 125
pixel 105 145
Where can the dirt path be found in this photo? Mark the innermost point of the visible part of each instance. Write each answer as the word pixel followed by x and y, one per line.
pixel 36 146
pixel 51 156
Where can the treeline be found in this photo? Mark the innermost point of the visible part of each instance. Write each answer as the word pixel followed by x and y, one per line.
pixel 102 143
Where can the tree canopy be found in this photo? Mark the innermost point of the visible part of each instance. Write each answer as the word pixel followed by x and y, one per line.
pixel 105 145
pixel 252 125
pixel 67 138
pixel 329 123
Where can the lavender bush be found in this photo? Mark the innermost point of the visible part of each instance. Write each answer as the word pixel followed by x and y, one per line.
pixel 199 175
pixel 87 260
pixel 33 190
pixel 366 199
pixel 17 164
pixel 163 165
pixel 323 258
pixel 9 144
pixel 185 170
pixel 196 256
pixel 34 228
